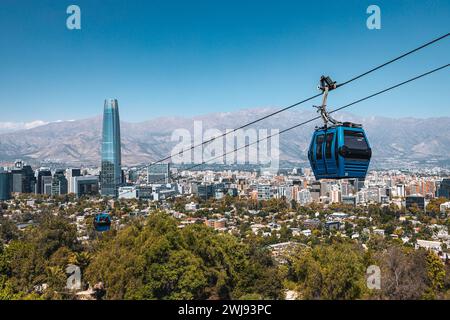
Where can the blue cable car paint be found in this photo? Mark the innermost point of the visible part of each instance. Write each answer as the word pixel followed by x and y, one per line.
pixel 340 152
pixel 102 222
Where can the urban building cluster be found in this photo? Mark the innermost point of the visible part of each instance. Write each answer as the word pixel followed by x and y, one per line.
pixel 22 178
pixel 160 185
pixel 153 188
pixel 160 181
pixel 380 187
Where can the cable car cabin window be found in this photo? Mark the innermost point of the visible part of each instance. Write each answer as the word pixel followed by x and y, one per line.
pixel 355 140
pixel 319 144
pixel 355 146
pixel 329 143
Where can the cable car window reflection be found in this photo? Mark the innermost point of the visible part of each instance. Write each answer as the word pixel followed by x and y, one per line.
pixel 329 143
pixel 319 143
pixel 355 140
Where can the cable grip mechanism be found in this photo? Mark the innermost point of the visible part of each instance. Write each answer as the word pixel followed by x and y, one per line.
pixel 326 85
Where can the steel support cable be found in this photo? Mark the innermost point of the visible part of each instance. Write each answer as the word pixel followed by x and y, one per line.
pixel 306 100
pixel 318 117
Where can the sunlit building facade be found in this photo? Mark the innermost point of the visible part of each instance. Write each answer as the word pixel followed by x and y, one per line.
pixel 111 174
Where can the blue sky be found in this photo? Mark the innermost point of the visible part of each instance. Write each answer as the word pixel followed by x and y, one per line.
pixel 165 58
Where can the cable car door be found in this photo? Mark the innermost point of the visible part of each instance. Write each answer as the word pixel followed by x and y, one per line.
pixel 319 154
pixel 330 154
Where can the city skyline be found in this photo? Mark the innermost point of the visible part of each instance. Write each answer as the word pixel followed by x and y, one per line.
pixel 80 141
pixel 242 56
pixel 263 151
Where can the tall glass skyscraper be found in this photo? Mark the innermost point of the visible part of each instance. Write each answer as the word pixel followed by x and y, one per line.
pixel 5 185
pixel 111 175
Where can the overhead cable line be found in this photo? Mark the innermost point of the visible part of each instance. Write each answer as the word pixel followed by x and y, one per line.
pixel 305 100
pixel 318 117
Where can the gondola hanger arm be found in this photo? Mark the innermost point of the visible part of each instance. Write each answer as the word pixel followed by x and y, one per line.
pixel 326 85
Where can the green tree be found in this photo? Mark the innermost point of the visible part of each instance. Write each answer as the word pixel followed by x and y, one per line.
pixel 160 261
pixel 52 233
pixel 330 272
pixel 436 275
pixel 8 230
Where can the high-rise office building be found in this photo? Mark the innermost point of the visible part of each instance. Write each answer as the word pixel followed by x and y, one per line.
pixel 71 173
pixel 17 181
pixel 47 182
pixel 5 185
pixel 111 174
pixel 205 191
pixel 23 180
pixel 59 183
pixel 444 189
pixel 415 200
pixel 316 190
pixel 158 173
pixel 264 192
pixel 304 197
pixel 85 185
pixel 40 184
pixel 133 176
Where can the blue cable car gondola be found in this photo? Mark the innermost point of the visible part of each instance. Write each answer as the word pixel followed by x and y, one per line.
pixel 102 222
pixel 339 150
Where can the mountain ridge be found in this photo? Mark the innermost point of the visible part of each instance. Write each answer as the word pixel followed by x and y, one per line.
pixel 78 141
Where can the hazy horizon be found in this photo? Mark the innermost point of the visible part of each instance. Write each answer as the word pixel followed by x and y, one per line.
pixel 10 126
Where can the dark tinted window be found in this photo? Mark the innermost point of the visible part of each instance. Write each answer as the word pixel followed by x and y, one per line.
pixel 329 143
pixel 355 140
pixel 319 144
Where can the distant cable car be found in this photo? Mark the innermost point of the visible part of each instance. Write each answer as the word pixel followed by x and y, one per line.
pixel 340 150
pixel 102 222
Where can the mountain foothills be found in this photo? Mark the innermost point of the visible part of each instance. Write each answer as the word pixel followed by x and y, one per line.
pixel 394 141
